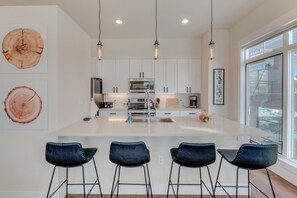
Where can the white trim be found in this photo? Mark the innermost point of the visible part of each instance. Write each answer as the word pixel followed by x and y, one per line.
pixel 20 194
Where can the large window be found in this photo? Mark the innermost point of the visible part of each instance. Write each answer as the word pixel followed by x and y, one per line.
pixel 264 97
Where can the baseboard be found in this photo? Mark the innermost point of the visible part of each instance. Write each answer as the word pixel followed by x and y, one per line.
pixel 19 194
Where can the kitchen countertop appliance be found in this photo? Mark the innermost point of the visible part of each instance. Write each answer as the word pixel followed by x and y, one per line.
pixel 141 85
pixel 193 101
pixel 96 91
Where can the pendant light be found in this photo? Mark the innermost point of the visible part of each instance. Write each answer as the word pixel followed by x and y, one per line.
pixel 99 44
pixel 156 44
pixel 211 43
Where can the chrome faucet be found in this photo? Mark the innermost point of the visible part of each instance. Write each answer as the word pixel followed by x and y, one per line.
pixel 147 102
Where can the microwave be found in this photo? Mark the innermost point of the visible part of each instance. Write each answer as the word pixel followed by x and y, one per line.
pixel 140 85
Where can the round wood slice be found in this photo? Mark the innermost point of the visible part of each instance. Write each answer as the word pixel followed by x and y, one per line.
pixel 23 47
pixel 22 105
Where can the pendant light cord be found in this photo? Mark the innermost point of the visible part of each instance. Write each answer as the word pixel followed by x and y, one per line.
pixel 99 17
pixel 211 20
pixel 156 18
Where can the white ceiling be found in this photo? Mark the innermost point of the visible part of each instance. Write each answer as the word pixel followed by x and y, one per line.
pixel 138 16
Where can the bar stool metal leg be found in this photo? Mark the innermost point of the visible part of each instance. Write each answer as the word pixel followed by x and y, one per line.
pixel 169 181
pixel 178 181
pixel 113 187
pixel 145 180
pixel 270 182
pixel 249 187
pixel 149 179
pixel 217 179
pixel 118 183
pixel 84 183
pixel 66 182
pixel 237 182
pixel 210 179
pixel 97 177
pixel 200 182
pixel 50 185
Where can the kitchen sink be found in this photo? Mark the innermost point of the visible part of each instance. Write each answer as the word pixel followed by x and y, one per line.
pixel 153 119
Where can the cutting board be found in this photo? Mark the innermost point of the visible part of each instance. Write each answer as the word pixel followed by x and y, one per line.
pixel 172 103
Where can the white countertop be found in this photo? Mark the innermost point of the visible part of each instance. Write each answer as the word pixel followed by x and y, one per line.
pixel 183 126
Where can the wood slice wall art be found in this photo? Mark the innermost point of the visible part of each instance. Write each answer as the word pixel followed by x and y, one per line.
pixel 22 105
pixel 23 47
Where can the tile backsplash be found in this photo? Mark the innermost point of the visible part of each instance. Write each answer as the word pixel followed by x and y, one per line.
pixel 120 100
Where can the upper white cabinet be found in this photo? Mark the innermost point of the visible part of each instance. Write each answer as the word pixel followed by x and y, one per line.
pixel 189 76
pixel 166 76
pixel 115 75
pixel 142 68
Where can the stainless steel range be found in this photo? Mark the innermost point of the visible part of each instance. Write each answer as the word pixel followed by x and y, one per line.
pixel 138 107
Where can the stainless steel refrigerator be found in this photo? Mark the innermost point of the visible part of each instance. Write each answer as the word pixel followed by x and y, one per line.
pixel 96 91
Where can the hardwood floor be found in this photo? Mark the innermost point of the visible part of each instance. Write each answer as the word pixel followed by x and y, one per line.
pixel 282 188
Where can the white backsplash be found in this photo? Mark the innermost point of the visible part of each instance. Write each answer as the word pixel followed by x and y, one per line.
pixel 120 100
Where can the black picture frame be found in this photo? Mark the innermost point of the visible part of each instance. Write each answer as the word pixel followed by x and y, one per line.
pixel 218 86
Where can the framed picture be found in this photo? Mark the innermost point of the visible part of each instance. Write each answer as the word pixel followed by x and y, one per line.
pixel 218 86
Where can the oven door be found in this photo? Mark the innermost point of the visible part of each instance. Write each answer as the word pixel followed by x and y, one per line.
pixel 140 85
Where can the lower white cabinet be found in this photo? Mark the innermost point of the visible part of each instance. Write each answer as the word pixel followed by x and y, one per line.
pixel 190 113
pixel 112 113
pixel 161 113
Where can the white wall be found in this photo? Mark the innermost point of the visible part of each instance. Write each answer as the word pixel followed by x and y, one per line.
pixel 74 71
pixel 221 39
pixel 23 169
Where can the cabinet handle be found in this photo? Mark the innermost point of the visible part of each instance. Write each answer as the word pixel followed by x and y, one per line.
pixel 142 74
pixel 117 90
pixel 139 74
pixel 167 89
pixel 164 89
pixel 190 89
pixel 113 90
pixel 187 89
pixel 167 113
pixel 112 113
pixel 192 113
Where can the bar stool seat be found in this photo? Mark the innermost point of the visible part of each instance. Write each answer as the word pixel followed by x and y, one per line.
pixel 70 155
pixel 249 157
pixel 192 155
pixel 130 155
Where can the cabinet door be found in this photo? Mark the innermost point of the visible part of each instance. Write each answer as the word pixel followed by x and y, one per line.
pixel 135 68
pixel 182 72
pixel 122 76
pixel 171 76
pixel 195 76
pixel 160 67
pixel 148 69
pixel 108 79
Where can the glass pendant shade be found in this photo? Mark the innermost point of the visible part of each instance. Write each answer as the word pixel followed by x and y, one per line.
pixel 211 50
pixel 99 50
pixel 156 50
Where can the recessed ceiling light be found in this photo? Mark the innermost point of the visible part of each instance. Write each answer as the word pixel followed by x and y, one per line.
pixel 119 21
pixel 185 21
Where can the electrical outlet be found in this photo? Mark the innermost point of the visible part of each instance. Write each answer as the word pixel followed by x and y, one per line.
pixel 160 159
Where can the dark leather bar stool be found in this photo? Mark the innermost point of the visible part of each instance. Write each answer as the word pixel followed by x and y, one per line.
pixel 70 155
pixel 249 157
pixel 192 155
pixel 130 155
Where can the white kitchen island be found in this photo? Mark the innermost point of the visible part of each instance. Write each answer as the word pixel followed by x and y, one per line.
pixel 159 138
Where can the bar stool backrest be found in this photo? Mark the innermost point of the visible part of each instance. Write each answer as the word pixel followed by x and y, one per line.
pixel 65 154
pixel 256 156
pixel 129 153
pixel 196 154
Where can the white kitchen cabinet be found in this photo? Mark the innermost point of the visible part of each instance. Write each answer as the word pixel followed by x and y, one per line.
pixel 115 75
pixel 112 113
pixel 167 113
pixel 142 68
pixel 166 76
pixel 190 112
pixel 189 76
